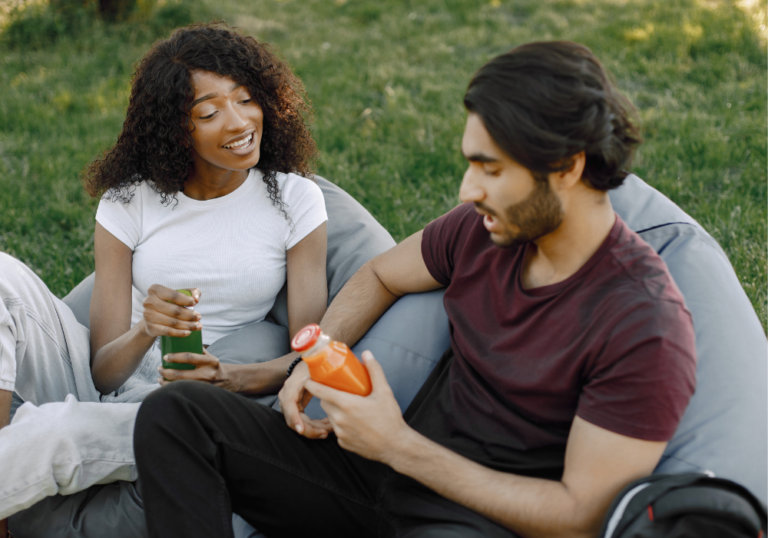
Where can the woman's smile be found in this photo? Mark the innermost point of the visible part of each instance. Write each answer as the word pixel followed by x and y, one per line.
pixel 241 145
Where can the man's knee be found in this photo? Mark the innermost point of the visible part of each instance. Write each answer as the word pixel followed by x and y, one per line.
pixel 166 407
pixel 12 269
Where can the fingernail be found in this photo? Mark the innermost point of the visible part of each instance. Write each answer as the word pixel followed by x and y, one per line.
pixel 300 428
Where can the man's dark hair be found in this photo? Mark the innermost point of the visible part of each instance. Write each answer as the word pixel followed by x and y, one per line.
pixel 543 103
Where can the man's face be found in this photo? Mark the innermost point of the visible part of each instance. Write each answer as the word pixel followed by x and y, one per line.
pixel 517 207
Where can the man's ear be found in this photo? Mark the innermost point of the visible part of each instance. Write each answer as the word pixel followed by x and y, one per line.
pixel 566 179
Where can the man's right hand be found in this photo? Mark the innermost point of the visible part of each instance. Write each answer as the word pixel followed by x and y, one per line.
pixel 294 398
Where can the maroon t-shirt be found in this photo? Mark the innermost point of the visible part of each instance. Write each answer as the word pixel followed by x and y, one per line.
pixel 613 344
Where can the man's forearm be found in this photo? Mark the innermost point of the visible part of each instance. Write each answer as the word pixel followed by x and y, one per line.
pixel 359 304
pixel 531 507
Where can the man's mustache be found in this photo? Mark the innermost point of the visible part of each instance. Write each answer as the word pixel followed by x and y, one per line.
pixel 484 208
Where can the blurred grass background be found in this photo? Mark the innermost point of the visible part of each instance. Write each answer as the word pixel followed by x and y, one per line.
pixel 386 79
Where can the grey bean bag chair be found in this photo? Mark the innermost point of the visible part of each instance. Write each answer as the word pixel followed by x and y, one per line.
pixel 723 430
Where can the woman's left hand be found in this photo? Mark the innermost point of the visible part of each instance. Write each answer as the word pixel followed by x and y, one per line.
pixel 208 369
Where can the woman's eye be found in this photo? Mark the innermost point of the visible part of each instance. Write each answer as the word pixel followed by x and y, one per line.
pixel 209 116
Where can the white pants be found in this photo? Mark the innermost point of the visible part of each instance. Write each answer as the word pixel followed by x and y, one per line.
pixel 62 440
pixel 63 448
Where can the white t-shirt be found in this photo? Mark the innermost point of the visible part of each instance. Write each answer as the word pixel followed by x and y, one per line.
pixel 232 248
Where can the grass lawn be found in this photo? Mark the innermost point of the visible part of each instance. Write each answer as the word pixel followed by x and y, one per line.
pixel 386 79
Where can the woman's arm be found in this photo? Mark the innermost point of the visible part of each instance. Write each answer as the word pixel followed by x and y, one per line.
pixel 117 348
pixel 307 281
pixel 307 300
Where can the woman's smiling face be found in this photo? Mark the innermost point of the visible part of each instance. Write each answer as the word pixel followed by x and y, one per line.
pixel 226 124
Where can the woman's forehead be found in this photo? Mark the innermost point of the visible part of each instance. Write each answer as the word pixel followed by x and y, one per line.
pixel 205 82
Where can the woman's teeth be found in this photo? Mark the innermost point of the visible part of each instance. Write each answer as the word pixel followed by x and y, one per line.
pixel 239 143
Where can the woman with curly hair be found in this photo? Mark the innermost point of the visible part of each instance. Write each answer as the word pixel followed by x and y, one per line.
pixel 208 189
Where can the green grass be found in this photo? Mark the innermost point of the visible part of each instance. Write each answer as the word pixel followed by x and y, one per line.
pixel 386 80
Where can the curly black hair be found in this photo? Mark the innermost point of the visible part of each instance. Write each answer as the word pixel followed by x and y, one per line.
pixel 155 142
pixel 543 103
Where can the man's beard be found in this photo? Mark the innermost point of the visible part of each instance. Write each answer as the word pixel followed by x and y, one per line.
pixel 536 216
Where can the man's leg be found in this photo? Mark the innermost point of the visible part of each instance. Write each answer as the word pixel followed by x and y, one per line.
pixel 203 453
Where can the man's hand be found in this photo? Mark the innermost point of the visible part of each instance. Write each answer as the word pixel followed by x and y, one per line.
pixel 369 426
pixel 294 399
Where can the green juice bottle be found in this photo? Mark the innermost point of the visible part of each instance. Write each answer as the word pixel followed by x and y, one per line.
pixel 181 344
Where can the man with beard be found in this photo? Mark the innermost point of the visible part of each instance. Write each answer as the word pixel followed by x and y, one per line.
pixel 571 362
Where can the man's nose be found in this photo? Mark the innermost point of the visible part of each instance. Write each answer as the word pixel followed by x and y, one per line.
pixel 470 190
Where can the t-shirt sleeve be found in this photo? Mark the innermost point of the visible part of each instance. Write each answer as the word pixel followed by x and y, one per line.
pixel 640 385
pixel 120 219
pixel 442 240
pixel 305 205
pixel 7 351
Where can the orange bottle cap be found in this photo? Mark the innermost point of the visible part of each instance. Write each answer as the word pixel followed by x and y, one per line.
pixel 306 337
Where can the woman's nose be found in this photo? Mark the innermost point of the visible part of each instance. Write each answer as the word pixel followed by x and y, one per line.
pixel 237 121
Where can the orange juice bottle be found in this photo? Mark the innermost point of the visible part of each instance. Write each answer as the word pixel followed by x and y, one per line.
pixel 331 363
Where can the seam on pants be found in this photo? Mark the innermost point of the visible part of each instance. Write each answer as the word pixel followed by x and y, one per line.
pixel 63 352
pixel 281 465
pixel 14 301
pixel 25 488
pixel 225 518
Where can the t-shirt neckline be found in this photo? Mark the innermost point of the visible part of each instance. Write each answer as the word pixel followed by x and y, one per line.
pixel 250 182
pixel 553 289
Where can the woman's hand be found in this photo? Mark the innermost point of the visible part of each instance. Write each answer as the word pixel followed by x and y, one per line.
pixel 166 312
pixel 207 369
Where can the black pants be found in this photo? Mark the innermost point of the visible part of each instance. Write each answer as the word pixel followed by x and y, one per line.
pixel 203 453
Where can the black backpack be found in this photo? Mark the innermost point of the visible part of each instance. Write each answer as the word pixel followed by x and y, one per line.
pixel 689 505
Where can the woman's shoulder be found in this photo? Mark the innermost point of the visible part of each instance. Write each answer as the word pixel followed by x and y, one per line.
pixel 293 186
pixel 137 192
